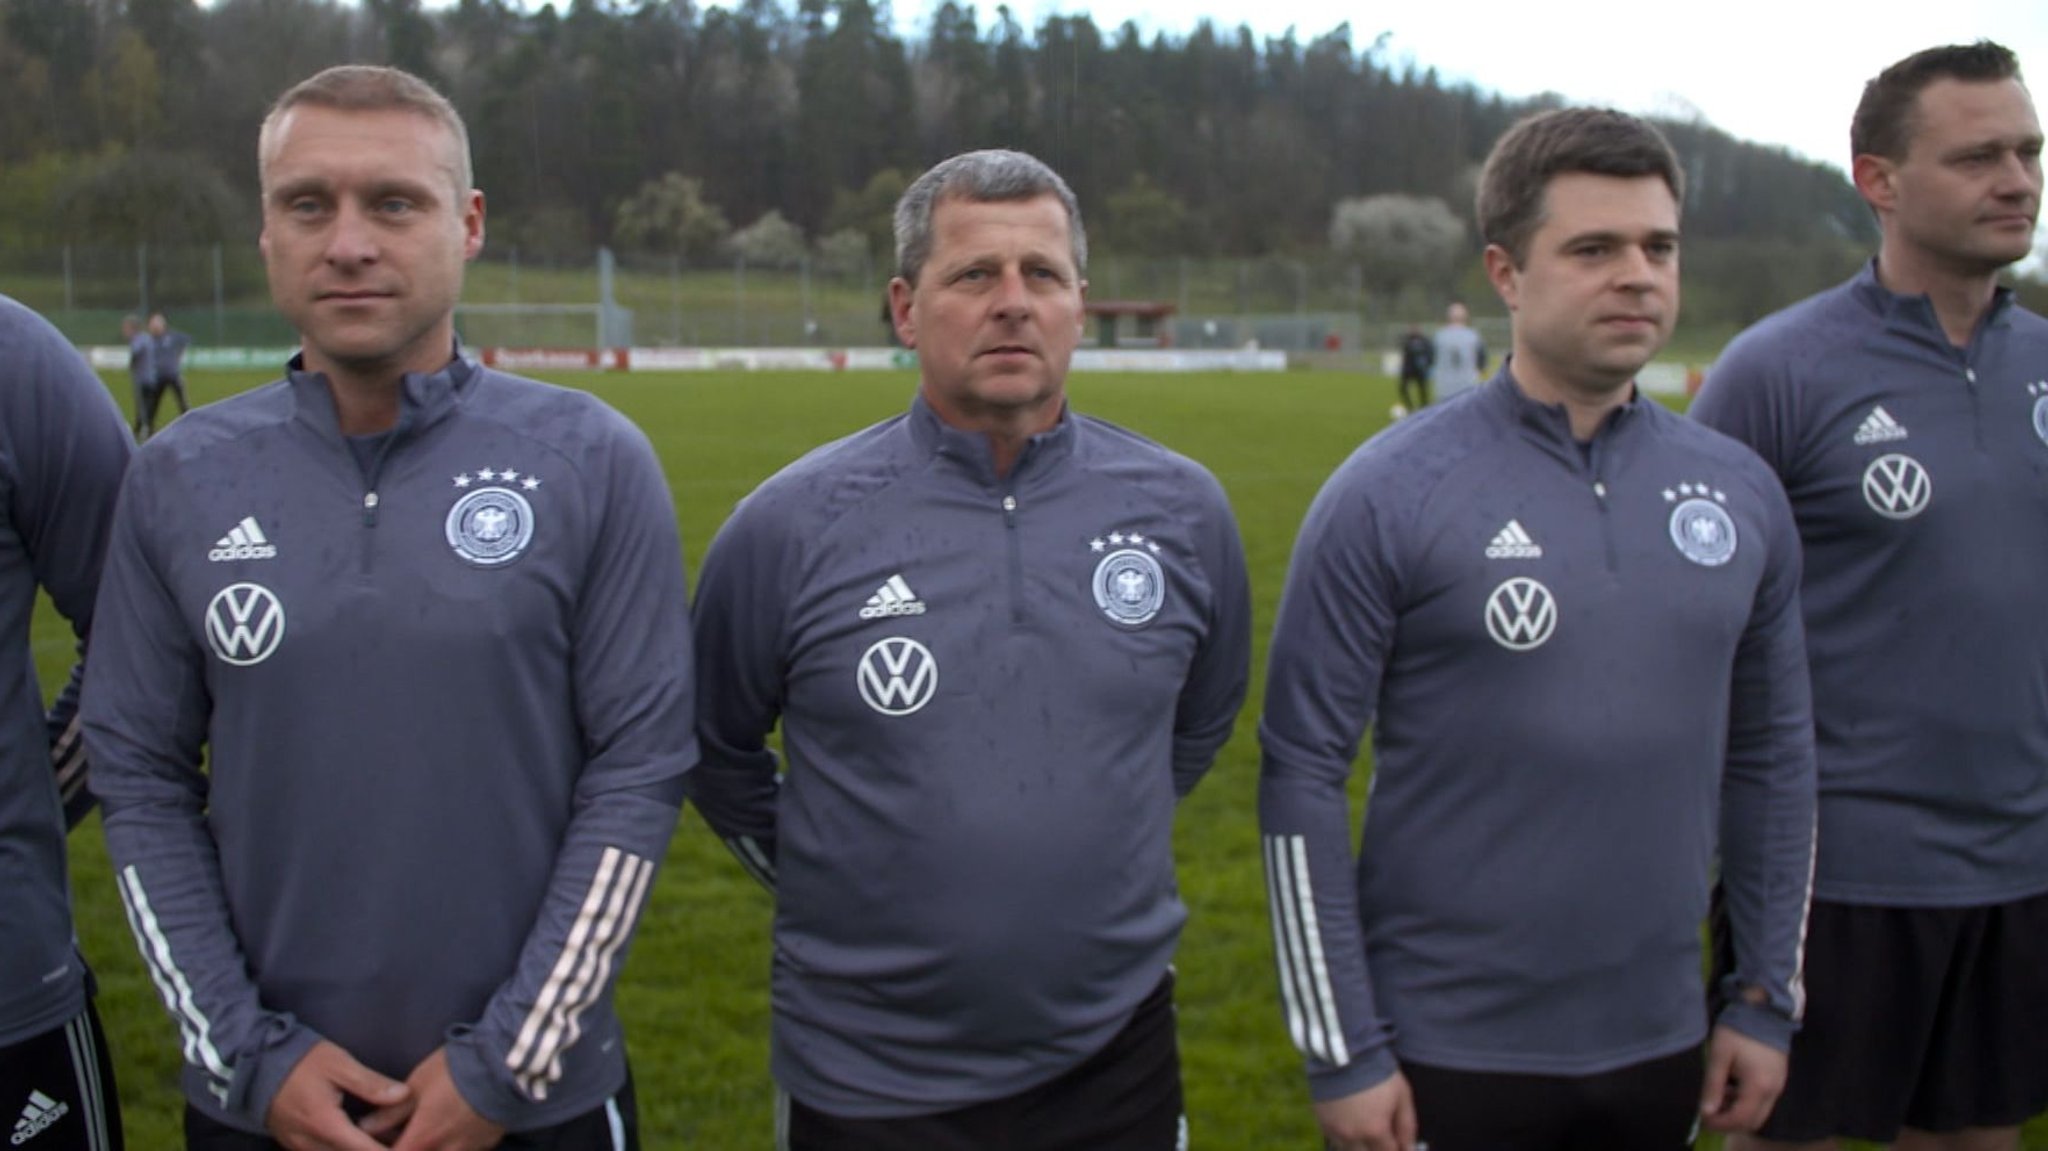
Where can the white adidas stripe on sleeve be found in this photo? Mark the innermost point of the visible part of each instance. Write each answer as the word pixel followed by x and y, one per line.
pixel 171 983
pixel 580 974
pixel 1310 1003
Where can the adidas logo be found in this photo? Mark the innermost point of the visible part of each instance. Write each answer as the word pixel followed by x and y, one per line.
pixel 1513 543
pixel 244 541
pixel 37 1115
pixel 1879 427
pixel 892 599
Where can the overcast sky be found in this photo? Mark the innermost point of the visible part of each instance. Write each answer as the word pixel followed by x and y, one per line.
pixel 1779 71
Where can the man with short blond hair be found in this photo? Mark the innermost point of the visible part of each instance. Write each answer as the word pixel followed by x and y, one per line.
pixel 422 623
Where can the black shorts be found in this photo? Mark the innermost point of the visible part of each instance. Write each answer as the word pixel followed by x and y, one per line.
pixel 1650 1106
pixel 1934 1018
pixel 1126 1097
pixel 57 1089
pixel 613 1126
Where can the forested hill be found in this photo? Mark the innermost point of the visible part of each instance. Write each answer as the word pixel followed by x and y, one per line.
pixel 135 121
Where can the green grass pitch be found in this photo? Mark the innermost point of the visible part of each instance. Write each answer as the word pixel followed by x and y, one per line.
pixel 694 991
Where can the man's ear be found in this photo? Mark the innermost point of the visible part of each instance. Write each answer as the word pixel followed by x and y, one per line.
pixel 1876 180
pixel 899 311
pixel 473 225
pixel 1503 275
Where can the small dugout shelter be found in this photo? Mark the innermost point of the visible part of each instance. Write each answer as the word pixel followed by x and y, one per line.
pixel 1148 328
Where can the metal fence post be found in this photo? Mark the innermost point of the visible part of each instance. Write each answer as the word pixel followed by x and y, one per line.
pixel 803 269
pixel 739 299
pixel 220 300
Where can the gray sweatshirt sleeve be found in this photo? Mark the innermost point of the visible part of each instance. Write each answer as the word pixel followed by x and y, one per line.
pixel 62 494
pixel 145 714
pixel 1330 646
pixel 738 620
pixel 1739 399
pixel 634 703
pixel 1218 677
pixel 1768 797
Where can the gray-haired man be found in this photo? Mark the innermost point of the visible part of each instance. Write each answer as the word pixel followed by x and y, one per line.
pixel 1002 640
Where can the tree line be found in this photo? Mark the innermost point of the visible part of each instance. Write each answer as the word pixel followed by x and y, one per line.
pixel 665 126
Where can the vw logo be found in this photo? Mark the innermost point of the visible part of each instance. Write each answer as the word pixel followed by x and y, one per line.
pixel 244 623
pixel 897 676
pixel 1520 614
pixel 1897 487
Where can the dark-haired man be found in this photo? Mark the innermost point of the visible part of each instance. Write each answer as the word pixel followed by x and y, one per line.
pixel 1906 413
pixel 141 372
pixel 1418 352
pixel 1570 618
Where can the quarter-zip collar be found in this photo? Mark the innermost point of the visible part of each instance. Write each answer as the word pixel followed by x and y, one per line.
pixel 424 398
pixel 1549 426
pixel 1913 316
pixel 972 453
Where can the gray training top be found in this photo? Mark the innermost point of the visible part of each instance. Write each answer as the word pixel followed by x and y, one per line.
pixel 167 354
pixel 1585 677
pixel 1918 472
pixel 991 691
pixel 448 705
pixel 1459 360
pixel 142 359
pixel 63 448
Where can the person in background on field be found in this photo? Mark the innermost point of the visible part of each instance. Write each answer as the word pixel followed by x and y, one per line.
pixel 63 450
pixel 422 623
pixel 1570 618
pixel 1002 639
pixel 141 372
pixel 1418 353
pixel 1459 359
pixel 1906 413
pixel 168 361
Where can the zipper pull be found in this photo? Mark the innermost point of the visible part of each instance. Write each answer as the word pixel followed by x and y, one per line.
pixel 1010 511
pixel 369 509
pixel 1600 489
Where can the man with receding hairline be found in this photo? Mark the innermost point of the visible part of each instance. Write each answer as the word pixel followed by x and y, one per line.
pixel 1906 414
pixel 1570 619
pixel 421 621
pixel 1002 639
pixel 1457 360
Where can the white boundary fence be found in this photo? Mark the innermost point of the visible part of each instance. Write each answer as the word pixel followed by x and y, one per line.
pixel 115 357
